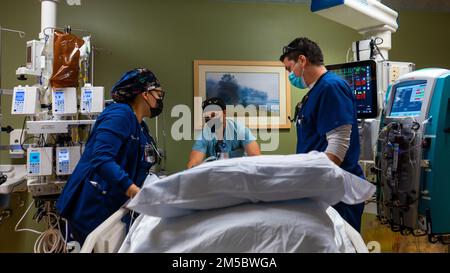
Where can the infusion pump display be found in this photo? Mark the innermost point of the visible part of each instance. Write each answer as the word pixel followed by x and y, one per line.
pixel 67 159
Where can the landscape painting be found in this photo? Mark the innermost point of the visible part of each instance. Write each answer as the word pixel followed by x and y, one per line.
pixel 246 88
pixel 263 86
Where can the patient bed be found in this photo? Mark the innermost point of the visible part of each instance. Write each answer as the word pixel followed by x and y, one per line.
pixel 111 235
pixel 266 204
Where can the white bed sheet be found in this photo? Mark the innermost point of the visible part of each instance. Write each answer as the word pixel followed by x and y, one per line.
pixel 242 180
pixel 281 227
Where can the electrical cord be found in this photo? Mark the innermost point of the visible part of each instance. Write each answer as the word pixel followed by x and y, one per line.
pixel 16 229
pixel 21 133
pixel 51 241
pixel 29 138
pixel 411 148
pixel 374 44
pixel 348 51
pixel 67 231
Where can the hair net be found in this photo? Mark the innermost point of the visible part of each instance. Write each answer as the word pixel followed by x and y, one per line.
pixel 133 83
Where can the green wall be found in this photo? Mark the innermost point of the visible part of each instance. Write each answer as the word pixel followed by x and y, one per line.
pixel 166 36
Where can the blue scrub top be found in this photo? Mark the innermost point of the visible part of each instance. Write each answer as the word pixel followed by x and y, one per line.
pixel 111 162
pixel 331 104
pixel 236 137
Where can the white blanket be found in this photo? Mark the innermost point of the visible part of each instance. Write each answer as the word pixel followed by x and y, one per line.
pixel 279 227
pixel 236 181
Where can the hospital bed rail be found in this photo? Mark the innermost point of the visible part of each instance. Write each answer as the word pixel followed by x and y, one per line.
pixel 109 236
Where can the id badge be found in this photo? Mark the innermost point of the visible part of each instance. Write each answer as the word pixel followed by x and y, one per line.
pixel 149 154
pixel 300 119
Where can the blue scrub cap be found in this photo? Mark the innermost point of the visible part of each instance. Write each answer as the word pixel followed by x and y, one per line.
pixel 133 83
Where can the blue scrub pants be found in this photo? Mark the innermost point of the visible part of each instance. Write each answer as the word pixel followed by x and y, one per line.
pixel 74 234
pixel 351 213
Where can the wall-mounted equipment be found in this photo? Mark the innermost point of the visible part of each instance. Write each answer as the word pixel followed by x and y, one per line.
pixel 64 101
pixel 34 60
pixel 67 159
pixel 25 101
pixel 40 161
pixel 92 100
pixel 16 138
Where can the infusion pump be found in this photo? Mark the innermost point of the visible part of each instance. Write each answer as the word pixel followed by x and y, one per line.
pixel 40 160
pixel 26 101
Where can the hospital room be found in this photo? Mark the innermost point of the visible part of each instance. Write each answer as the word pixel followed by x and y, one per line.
pixel 225 126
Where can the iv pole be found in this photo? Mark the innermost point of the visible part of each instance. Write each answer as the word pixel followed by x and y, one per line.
pixel 4 91
pixel 8 129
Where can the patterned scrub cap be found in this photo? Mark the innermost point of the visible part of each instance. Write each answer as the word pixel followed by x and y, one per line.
pixel 133 83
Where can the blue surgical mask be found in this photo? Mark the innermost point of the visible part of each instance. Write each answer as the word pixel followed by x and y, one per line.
pixel 298 82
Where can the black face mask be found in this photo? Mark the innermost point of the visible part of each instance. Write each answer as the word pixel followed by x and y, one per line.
pixel 158 110
pixel 154 112
pixel 212 125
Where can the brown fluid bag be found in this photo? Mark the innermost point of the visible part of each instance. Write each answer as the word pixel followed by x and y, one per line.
pixel 66 49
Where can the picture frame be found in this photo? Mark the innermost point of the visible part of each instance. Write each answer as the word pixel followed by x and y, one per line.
pixel 263 85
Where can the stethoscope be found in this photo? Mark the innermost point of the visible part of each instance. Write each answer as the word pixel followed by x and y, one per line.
pixel 299 110
pixel 298 116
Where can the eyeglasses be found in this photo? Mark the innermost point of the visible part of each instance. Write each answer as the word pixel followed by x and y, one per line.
pixel 288 49
pixel 159 92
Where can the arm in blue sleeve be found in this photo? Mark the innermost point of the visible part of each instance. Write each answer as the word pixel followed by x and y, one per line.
pixel 244 134
pixel 249 137
pixel 200 145
pixel 336 108
pixel 111 134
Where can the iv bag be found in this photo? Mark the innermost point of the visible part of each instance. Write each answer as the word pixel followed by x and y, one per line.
pixel 66 51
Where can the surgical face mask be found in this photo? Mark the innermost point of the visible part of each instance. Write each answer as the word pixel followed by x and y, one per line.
pixel 213 126
pixel 298 82
pixel 213 119
pixel 154 112
pixel 158 110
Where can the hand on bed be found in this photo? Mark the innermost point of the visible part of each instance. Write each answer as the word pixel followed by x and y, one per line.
pixel 132 191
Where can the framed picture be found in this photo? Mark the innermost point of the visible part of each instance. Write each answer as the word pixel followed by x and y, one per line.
pixel 261 88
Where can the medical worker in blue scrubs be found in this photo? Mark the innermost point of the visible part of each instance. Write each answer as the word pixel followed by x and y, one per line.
pixel 118 155
pixel 326 117
pixel 221 135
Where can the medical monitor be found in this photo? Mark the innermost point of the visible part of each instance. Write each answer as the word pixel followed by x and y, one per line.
pixel 407 99
pixel 362 78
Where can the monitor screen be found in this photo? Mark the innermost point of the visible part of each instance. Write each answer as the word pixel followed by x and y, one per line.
pixel 20 96
pixel 59 96
pixel 35 157
pixel 87 95
pixel 63 156
pixel 361 76
pixel 407 99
